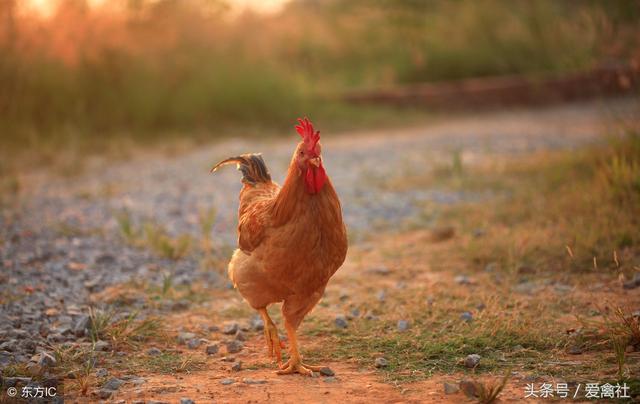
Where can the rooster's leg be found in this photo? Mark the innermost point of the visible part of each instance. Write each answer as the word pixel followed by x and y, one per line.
pixel 294 364
pixel 271 336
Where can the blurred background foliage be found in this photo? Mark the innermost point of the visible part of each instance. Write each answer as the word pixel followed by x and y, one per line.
pixel 147 69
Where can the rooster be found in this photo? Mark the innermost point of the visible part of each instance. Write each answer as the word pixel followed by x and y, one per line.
pixel 291 240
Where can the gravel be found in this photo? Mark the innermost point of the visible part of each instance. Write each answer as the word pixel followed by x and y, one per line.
pixel 227 382
pixel 187 401
pixel 230 329
pixel 327 371
pixel 62 241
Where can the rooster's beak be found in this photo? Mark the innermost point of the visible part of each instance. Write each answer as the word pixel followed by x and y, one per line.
pixel 315 161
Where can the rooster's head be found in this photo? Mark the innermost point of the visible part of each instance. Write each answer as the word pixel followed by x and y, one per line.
pixel 308 158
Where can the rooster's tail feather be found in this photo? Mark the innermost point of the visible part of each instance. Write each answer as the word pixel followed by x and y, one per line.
pixel 252 166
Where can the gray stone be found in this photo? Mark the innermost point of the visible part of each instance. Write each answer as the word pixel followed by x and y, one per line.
pixel 330 379
pixel 403 325
pixel 450 388
pixel 240 336
pixel 247 380
pixel 101 346
pixel 104 393
pixel 187 401
pixel 381 296
pixel 469 388
pixel 230 329
pixel 341 321
pixel 326 371
pixel 154 351
pixel 81 325
pixel 102 372
pixel 234 346
pixel 471 361
pixel 193 343
pixel 183 337
pixel 633 283
pixel 46 360
pixel 466 316
pixel 6 358
pixel 462 280
pixel 113 384
pixel 212 349
pixel 381 362
pixel 257 324
pixel 237 366
pixel 227 382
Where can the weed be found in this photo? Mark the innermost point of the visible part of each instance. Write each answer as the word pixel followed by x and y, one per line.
pixel 172 248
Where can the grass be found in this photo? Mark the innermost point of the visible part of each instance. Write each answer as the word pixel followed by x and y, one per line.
pixel 165 363
pixel 125 333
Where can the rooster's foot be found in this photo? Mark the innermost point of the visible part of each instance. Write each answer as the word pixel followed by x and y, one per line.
pixel 296 366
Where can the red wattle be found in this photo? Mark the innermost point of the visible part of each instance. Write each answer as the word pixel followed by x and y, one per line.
pixel 315 179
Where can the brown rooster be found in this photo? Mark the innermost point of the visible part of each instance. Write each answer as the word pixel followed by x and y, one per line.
pixel 291 240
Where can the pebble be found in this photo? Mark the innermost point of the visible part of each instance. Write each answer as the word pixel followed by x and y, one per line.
pixel 230 329
pixel 469 388
pixel 472 361
pixel 240 336
pixel 381 362
pixel 113 384
pixel 212 349
pixel 326 371
pixel 256 323
pixel 574 350
pixel 81 325
pixel 227 382
pixel 47 360
pixel 466 316
pixel 381 296
pixel 104 393
pixel 247 380
pixel 184 337
pixel 102 372
pixel 330 379
pixel 450 388
pixel 462 280
pixel 193 343
pixel 234 346
pixel 237 366
pixel 341 321
pixel 101 346
pixel 633 283
pixel 187 401
pixel 403 325
pixel 154 352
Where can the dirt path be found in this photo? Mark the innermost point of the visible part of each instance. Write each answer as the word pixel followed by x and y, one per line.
pixel 63 246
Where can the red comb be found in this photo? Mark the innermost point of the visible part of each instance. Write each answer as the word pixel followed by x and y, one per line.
pixel 309 137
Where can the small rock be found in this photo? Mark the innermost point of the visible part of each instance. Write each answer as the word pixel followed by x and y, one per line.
pixel 574 350
pixel 330 379
pixel 257 324
pixel 380 270
pixel 193 343
pixel 184 337
pixel 212 349
pixel 113 384
pixel 450 388
pixel 47 360
pixel 462 280
pixel 480 306
pixel 228 359
pixel 230 329
pixel 403 325
pixel 343 296
pixel 326 371
pixel 466 316
pixel 227 382
pixel 234 346
pixel 381 362
pixel 471 361
pixel 469 388
pixel 247 380
pixel 81 325
pixel 237 366
pixel 240 336
pixel 355 313
pixel 341 321
pixel 104 393
pixel 213 328
pixel 102 372
pixel 180 305
pixel 154 352
pixel 187 401
pixel 381 296
pixel 101 346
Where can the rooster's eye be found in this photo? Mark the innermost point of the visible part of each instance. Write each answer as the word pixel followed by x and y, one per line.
pixel 301 153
